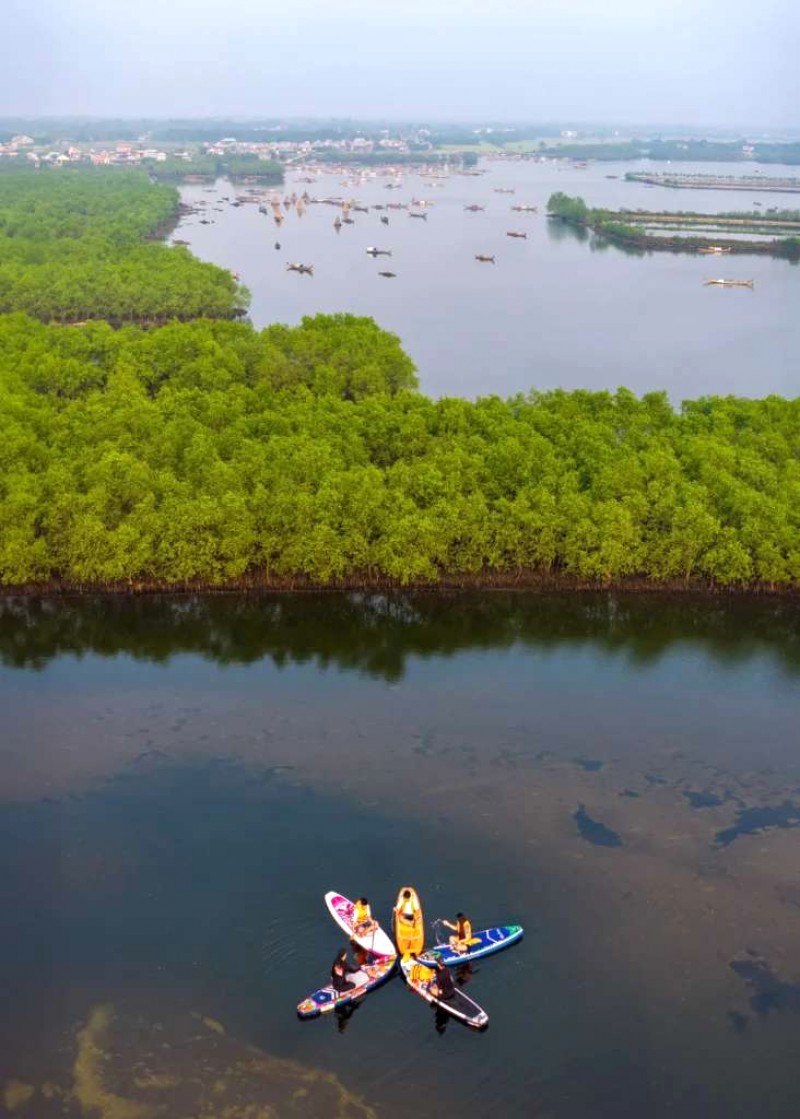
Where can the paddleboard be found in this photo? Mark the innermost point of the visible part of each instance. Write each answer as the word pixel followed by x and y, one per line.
pixel 367 979
pixel 407 923
pixel 341 909
pixel 483 943
pixel 461 1006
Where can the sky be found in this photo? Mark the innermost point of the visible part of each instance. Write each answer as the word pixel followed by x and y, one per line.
pixel 724 62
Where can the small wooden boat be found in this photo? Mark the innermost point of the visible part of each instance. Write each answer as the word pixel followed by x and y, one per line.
pixel 730 283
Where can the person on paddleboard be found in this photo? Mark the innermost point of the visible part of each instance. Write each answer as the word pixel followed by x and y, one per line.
pixel 405 910
pixel 442 986
pixel 463 932
pixel 363 922
pixel 340 969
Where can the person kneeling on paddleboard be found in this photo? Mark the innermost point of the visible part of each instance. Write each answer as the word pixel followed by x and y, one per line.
pixel 442 986
pixel 340 969
pixel 463 932
pixel 363 923
pixel 405 911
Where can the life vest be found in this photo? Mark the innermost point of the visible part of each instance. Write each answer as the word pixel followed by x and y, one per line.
pixel 407 911
pixel 421 974
pixel 361 913
pixel 464 931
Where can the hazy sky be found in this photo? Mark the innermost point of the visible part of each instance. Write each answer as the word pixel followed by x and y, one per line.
pixel 688 61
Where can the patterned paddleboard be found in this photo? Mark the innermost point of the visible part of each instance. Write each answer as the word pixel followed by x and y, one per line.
pixel 483 943
pixel 367 979
pixel 341 909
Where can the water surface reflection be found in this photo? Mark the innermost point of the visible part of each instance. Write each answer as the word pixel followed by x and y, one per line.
pixel 181 779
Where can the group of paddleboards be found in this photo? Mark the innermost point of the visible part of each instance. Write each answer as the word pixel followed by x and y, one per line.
pixel 425 972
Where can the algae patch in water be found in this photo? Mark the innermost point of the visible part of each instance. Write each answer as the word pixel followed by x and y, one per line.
pixel 16 1094
pixel 126 1067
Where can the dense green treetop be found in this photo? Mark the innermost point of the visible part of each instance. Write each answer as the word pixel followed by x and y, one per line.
pixel 74 245
pixel 210 452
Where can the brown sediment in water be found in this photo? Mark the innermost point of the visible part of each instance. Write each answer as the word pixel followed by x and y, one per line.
pixel 128 1068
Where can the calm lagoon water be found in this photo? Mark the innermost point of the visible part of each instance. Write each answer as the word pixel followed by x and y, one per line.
pixel 183 778
pixel 555 310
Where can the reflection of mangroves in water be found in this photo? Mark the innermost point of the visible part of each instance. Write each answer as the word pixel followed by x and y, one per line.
pixel 126 1068
pixel 377 633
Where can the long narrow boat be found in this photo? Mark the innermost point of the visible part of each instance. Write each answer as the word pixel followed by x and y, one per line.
pixel 375 940
pixel 421 979
pixel 366 979
pixel 730 283
pixel 483 943
pixel 408 925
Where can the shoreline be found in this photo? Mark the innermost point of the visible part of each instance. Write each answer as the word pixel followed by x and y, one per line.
pixel 523 581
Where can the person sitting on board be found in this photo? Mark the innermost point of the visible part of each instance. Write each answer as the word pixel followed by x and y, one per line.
pixel 442 986
pixel 405 910
pixel 363 923
pixel 340 969
pixel 463 932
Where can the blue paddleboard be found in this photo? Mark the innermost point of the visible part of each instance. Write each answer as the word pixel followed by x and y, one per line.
pixel 483 943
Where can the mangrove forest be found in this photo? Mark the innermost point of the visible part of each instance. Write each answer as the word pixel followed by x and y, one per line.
pixel 140 453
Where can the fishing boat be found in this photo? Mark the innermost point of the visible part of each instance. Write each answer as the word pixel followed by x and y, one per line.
pixel 730 283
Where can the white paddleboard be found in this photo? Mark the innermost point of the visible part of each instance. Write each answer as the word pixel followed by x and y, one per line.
pixel 341 909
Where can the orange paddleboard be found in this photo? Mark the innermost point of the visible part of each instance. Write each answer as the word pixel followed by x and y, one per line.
pixel 407 922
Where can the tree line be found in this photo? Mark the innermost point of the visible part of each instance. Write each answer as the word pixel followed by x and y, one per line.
pixel 83 244
pixel 629 228
pixel 210 453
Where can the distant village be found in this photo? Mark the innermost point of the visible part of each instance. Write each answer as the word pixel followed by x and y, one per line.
pixel 132 153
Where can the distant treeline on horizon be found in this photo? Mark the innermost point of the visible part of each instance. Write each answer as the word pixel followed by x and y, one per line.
pixel 599 142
